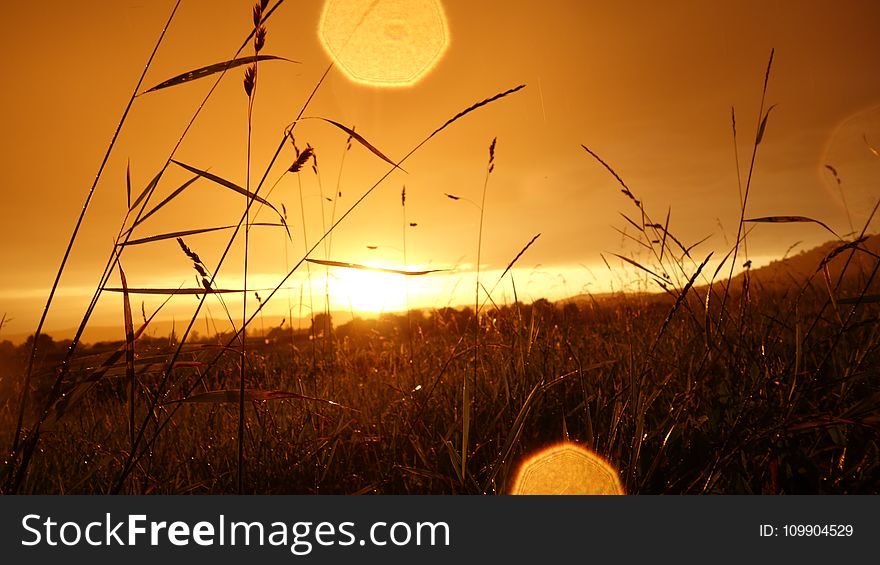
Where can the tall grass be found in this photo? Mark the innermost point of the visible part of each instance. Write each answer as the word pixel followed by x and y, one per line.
pixel 22 458
pixel 696 389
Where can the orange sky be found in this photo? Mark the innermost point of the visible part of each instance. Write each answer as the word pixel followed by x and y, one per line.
pixel 647 85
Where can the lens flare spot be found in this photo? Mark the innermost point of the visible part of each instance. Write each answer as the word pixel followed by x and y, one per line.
pixel 384 42
pixel 566 469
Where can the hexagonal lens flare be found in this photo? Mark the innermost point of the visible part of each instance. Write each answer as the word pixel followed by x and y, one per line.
pixel 384 42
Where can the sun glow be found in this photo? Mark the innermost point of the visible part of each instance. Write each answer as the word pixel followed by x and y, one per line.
pixel 368 291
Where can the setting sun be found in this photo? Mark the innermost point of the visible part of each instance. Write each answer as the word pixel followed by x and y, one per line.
pixel 368 291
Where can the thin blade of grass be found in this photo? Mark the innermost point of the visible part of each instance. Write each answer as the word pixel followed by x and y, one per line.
pixel 212 69
pixel 790 219
pixel 344 265
pixel 763 126
pixel 680 299
pixel 228 184
pixel 514 434
pixel 626 191
pixel 837 251
pixel 868 298
pixel 359 138
pixel 688 250
pixel 128 184
pixel 140 368
pixel 665 233
pixel 455 459
pixel 149 188
pixel 634 224
pixel 474 107
pixel 170 197
pixel 172 235
pixel 639 266
pixel 727 256
pixel 256 395
pixel 199 290
pixel 129 352
pixel 831 296
pixel 518 255
pixel 668 235
pixel 634 239
pixel 62 404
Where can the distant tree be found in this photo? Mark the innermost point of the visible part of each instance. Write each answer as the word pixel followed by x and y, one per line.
pixel 571 313
pixel 322 324
pixel 45 344
pixel 544 308
pixel 7 349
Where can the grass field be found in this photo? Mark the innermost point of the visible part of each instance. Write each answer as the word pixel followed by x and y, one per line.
pixel 781 398
pixel 719 383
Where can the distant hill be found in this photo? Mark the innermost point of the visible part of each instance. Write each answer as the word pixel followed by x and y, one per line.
pixel 797 269
pixel 783 274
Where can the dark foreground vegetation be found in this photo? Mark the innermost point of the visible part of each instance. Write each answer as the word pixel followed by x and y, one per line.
pixel 779 396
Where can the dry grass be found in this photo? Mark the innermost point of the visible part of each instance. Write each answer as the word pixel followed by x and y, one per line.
pixel 711 386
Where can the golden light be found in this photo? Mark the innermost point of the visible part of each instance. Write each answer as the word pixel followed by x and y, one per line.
pixel 566 469
pixel 384 42
pixel 368 291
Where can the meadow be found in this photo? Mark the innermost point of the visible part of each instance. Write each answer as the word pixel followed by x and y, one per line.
pixel 716 383
pixel 781 398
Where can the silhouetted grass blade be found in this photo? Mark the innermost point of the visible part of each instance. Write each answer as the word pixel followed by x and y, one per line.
pixel 129 351
pixel 638 266
pixel 152 184
pixel 170 197
pixel 256 395
pixel 81 386
pixel 837 251
pixel 128 185
pixel 172 235
pixel 761 129
pixel 631 221
pixel 360 139
pixel 665 233
pixel 518 255
pixel 228 184
pixel 681 297
pixel 475 106
pixel 212 69
pixel 625 189
pixel 368 268
pixel 868 298
pixel 791 219
pixel 173 290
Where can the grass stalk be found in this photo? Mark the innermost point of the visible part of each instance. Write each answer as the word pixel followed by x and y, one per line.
pixel 760 128
pixel 467 385
pixel 22 405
